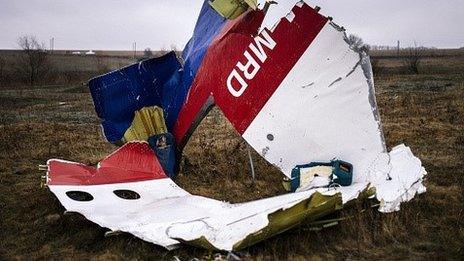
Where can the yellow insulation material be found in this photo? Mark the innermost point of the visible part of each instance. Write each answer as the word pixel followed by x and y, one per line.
pixel 148 121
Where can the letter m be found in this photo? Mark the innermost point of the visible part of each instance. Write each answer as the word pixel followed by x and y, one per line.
pixel 260 41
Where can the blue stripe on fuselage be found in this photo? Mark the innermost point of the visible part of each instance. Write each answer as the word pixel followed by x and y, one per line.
pixel 209 25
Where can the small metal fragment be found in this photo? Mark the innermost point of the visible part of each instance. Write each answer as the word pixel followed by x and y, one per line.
pixel 113 233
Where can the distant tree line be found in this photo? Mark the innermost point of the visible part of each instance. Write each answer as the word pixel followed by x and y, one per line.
pixel 411 57
pixel 34 64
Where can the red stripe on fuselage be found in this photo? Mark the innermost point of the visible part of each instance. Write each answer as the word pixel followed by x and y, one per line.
pixel 292 40
pixel 133 162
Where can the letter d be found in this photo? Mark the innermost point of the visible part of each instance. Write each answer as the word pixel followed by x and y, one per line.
pixel 243 84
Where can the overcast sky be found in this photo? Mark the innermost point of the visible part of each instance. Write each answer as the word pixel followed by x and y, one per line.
pixel 116 24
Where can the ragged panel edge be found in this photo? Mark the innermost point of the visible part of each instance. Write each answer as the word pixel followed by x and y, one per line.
pixel 317 206
pixel 281 216
pixel 313 208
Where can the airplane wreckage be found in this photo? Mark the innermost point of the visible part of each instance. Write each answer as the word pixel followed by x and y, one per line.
pixel 297 92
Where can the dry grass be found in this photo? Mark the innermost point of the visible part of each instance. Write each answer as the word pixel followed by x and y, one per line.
pixel 424 111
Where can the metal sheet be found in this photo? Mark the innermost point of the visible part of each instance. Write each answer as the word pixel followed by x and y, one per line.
pixel 296 92
pixel 165 214
pixel 117 95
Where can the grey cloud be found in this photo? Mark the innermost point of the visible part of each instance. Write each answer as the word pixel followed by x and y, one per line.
pixel 108 24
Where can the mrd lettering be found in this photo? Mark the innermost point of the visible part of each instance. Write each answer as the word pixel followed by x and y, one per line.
pixel 237 80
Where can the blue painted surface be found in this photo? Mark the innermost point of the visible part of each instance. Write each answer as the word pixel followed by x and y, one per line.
pixel 159 81
pixel 117 95
pixel 166 154
pixel 209 25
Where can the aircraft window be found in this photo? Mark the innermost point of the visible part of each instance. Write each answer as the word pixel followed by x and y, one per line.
pixel 79 196
pixel 127 194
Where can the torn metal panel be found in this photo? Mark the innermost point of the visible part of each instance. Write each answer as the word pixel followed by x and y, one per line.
pixel 165 214
pixel 132 162
pixel 401 181
pixel 330 119
pixel 208 27
pixel 317 206
pixel 300 84
pixel 226 49
pixel 252 70
pixel 163 81
pixel 119 94
pixel 297 93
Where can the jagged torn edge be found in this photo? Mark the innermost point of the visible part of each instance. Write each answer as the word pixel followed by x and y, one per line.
pixel 224 225
pixel 397 176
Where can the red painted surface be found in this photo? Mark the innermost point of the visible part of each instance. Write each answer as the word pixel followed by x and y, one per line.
pixel 292 40
pixel 132 162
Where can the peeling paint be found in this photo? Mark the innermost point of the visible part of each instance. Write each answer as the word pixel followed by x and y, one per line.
pixel 307 85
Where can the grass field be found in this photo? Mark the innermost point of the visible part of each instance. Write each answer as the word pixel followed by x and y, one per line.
pixel 425 111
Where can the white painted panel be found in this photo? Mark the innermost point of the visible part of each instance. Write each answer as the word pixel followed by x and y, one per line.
pixel 165 212
pixel 325 109
pixel 320 111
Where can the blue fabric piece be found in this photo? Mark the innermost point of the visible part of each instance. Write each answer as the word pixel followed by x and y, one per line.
pixel 165 151
pixel 158 81
pixel 118 94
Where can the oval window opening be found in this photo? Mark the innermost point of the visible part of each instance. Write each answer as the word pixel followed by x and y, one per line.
pixel 127 194
pixel 79 195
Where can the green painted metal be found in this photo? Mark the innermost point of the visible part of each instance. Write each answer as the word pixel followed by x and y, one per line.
pixel 311 209
pixel 232 9
pixel 201 242
pixel 317 206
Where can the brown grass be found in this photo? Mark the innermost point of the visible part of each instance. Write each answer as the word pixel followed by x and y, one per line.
pixel 424 111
